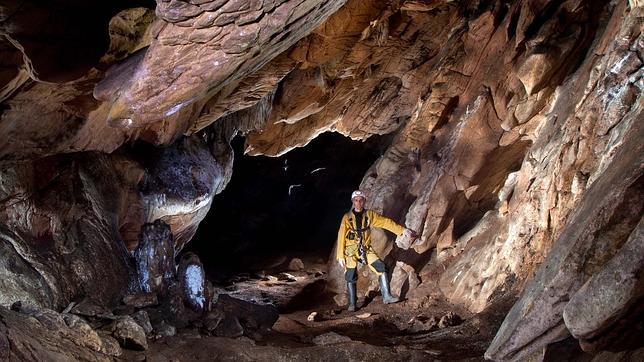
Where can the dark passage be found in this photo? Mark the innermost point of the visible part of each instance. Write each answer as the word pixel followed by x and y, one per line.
pixel 285 206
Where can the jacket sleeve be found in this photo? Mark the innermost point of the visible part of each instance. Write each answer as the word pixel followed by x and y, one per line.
pixel 340 244
pixel 384 222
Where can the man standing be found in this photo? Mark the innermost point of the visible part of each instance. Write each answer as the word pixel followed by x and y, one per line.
pixel 354 246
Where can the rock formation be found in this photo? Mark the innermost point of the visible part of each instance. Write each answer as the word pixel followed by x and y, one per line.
pixel 516 152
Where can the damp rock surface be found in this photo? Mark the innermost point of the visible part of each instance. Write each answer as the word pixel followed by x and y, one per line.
pixel 192 279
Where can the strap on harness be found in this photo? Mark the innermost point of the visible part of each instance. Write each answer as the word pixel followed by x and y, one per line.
pixel 354 226
pixel 362 251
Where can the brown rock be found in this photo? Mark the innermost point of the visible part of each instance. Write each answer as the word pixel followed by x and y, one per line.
pixel 35 336
pixel 330 338
pixel 130 30
pixel 296 264
pixel 254 316
pixel 129 334
pixel 561 275
pixel 165 329
pixel 449 319
pixel 141 300
pixel 213 319
pixel 514 150
pixel 609 295
pixel 109 345
pixel 534 72
pixel 236 34
pixel 229 327
pixel 83 335
pixel 141 318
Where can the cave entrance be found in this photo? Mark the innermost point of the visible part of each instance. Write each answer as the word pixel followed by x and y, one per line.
pixel 277 208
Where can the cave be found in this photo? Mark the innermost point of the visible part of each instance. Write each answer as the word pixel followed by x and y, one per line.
pixel 286 206
pixel 174 176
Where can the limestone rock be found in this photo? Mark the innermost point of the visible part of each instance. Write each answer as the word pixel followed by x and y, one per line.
pixel 213 319
pixel 69 49
pixel 155 257
pixel 82 333
pixel 252 316
pixel 82 254
pixel 141 300
pixel 449 319
pixel 295 264
pixel 540 307
pixel 89 308
pixel 141 318
pixel 330 338
pixel 130 30
pixel 341 299
pixel 129 334
pixel 421 323
pixel 514 151
pixel 25 337
pixel 179 184
pixel 241 40
pixel 165 329
pixel 402 275
pixel 609 294
pixel 191 277
pixel 109 345
pixel 229 327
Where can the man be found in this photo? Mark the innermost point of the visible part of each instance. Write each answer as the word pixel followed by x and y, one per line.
pixel 354 246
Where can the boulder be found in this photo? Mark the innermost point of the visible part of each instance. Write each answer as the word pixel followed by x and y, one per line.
pixel 296 264
pixel 191 276
pixel 142 319
pixel 155 257
pixel 129 334
pixel 165 329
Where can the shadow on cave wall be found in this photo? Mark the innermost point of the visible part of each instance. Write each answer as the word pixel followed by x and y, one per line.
pixel 283 206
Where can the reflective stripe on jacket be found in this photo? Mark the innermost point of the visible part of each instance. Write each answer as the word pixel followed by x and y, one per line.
pixel 372 219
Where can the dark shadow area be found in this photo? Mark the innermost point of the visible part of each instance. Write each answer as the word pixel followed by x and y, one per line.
pixel 64 38
pixel 281 207
pixel 467 212
pixel 309 297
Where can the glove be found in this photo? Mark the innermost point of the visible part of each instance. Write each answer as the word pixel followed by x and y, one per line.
pixel 341 262
pixel 410 234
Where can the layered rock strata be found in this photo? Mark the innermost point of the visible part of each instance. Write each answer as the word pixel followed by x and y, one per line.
pixel 517 153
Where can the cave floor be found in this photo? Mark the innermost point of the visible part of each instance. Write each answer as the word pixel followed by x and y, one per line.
pixel 407 330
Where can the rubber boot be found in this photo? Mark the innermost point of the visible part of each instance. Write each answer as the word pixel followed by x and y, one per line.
pixel 351 288
pixel 387 298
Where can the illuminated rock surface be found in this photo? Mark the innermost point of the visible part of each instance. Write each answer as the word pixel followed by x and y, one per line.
pixel 514 150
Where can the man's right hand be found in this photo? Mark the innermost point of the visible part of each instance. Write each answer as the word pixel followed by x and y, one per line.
pixel 341 262
pixel 410 234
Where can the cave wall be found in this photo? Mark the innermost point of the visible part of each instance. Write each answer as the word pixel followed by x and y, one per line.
pixel 516 149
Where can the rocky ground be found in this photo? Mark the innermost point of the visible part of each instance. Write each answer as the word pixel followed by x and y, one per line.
pixel 311 326
pixel 244 324
pixel 283 313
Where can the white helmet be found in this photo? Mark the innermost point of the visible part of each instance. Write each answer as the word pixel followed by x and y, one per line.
pixel 358 193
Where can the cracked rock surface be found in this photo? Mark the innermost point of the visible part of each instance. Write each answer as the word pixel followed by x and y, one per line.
pixel 515 154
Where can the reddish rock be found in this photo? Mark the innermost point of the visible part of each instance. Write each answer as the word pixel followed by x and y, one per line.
pixel 515 150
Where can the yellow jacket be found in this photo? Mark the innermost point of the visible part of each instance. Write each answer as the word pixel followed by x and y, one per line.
pixel 369 219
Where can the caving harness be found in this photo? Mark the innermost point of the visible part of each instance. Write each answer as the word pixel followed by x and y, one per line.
pixel 355 231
